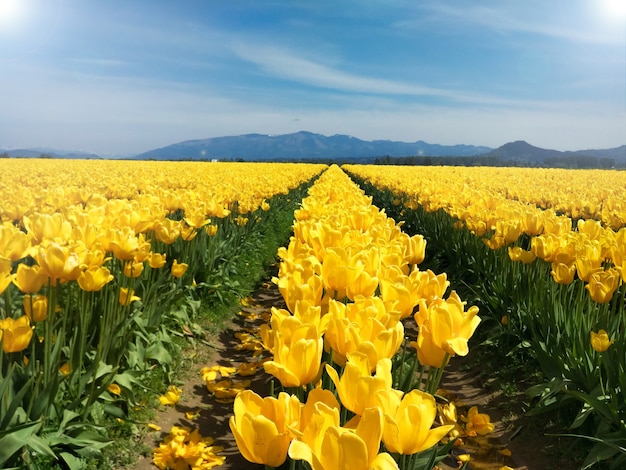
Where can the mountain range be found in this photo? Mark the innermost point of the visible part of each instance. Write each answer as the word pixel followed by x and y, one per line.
pixel 301 145
pixel 308 146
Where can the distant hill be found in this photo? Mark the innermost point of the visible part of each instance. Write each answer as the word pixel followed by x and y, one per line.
pixel 49 153
pixel 524 153
pixel 301 145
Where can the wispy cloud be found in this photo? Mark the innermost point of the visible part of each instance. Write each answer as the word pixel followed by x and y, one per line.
pixel 543 19
pixel 285 64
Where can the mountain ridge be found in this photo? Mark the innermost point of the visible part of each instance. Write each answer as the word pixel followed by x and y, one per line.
pixel 304 145
pixel 301 145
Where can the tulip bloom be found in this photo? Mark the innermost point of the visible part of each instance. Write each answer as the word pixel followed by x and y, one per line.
pixel 563 273
pixel 133 269
pixel 297 349
pixel 94 278
pixel 36 309
pixel 600 341
pixel 261 426
pixel 602 285
pixel 337 448
pixel 156 260
pixel 517 253
pixel 184 448
pixel 415 249
pixel 59 262
pixel 127 296
pixel 29 279
pixel 449 325
pixel 339 269
pixel 444 325
pixel 477 423
pixel 357 387
pixel 178 269
pixel 364 326
pixel 171 397
pixel 14 244
pixel 408 421
pixel 5 274
pixel 123 242
pixel 15 334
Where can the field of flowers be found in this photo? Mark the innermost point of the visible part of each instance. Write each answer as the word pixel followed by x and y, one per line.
pixel 565 311
pixel 102 264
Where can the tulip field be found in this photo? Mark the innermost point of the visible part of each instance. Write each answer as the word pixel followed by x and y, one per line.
pixel 108 268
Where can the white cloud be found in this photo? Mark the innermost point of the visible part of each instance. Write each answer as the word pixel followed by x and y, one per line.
pixel 576 21
pixel 285 64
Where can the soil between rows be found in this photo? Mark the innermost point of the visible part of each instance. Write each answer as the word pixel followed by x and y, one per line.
pixel 462 380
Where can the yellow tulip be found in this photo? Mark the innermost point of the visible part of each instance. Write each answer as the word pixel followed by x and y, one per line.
pixel 29 279
pixel 602 285
pixel 337 448
pixel 600 341
pixel 399 290
pixel 211 230
pixel 179 269
pixel 532 222
pixel 16 334
pixel 545 246
pixel 585 267
pixel 365 326
pixel 5 274
pixel 297 349
pixel 357 388
pixel 36 309
pixel 51 227
pixel 188 233
pixel 123 243
pixel 261 426
pixel 127 296
pixel 167 230
pixel 294 288
pixel 133 269
pixel 339 269
pixel 156 260
pixel 429 285
pixel 225 391
pixel 59 262
pixel 477 423
pixel 14 244
pixel 447 325
pixel 563 273
pixel 211 373
pixel 415 249
pixel 115 389
pixel 319 403
pixel 183 448
pixel 171 397
pixel 429 352
pixel 408 421
pixel 517 253
pixel 94 278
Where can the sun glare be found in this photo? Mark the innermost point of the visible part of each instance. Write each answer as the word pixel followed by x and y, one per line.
pixel 615 8
pixel 9 12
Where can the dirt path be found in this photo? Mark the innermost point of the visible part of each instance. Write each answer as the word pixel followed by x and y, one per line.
pixel 211 415
pixel 511 432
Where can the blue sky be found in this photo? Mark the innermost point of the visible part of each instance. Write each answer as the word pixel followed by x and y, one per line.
pixel 127 76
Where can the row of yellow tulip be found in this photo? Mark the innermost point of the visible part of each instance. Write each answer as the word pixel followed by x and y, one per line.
pixel 499 204
pixel 349 278
pixel 133 190
pixel 90 264
pixel 70 222
pixel 579 194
